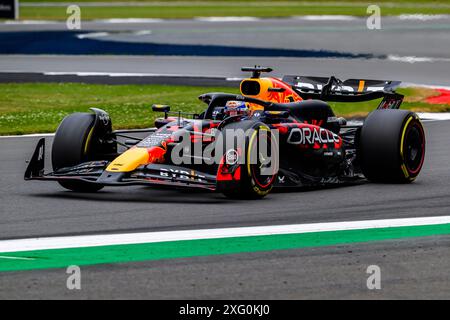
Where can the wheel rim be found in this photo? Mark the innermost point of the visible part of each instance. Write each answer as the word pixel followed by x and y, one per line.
pixel 414 148
pixel 262 162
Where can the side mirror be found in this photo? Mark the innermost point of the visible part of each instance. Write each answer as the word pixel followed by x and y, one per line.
pixel 160 108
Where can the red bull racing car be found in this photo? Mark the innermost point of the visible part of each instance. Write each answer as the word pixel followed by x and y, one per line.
pixel 279 134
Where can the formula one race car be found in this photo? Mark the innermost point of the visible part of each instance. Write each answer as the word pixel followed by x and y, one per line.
pixel 289 137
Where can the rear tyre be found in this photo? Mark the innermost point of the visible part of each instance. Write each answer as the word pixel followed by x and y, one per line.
pixel 71 146
pixel 392 146
pixel 253 164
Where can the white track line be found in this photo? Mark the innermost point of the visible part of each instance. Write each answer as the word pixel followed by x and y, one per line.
pixel 434 116
pixel 129 20
pixel 427 86
pixel 423 17
pixel 121 74
pixel 93 35
pixel 403 17
pixel 30 22
pixel 414 59
pixel 34 135
pixel 443 116
pixel 16 258
pixel 326 18
pixel 227 19
pixel 422 115
pixel 264 3
pixel 167 236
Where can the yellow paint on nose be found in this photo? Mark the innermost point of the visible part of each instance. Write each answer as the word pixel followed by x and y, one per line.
pixel 129 160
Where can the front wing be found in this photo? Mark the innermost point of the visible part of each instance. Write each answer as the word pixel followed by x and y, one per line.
pixel 95 172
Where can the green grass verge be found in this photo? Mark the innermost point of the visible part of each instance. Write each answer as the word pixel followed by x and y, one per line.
pixel 31 107
pixel 175 10
pixel 27 108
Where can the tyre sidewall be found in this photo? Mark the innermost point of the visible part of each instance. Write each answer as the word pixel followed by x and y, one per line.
pixel 381 147
pixel 246 187
pixel 71 146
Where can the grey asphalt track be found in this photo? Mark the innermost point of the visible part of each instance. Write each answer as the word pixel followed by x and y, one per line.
pixel 389 47
pixel 413 268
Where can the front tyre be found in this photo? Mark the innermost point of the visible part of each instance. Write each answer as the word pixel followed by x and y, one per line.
pixel 71 146
pixel 392 146
pixel 255 172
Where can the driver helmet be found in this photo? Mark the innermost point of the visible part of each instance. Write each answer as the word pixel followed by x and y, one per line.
pixel 235 108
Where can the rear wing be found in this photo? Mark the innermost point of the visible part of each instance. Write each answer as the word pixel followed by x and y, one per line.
pixel 352 90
